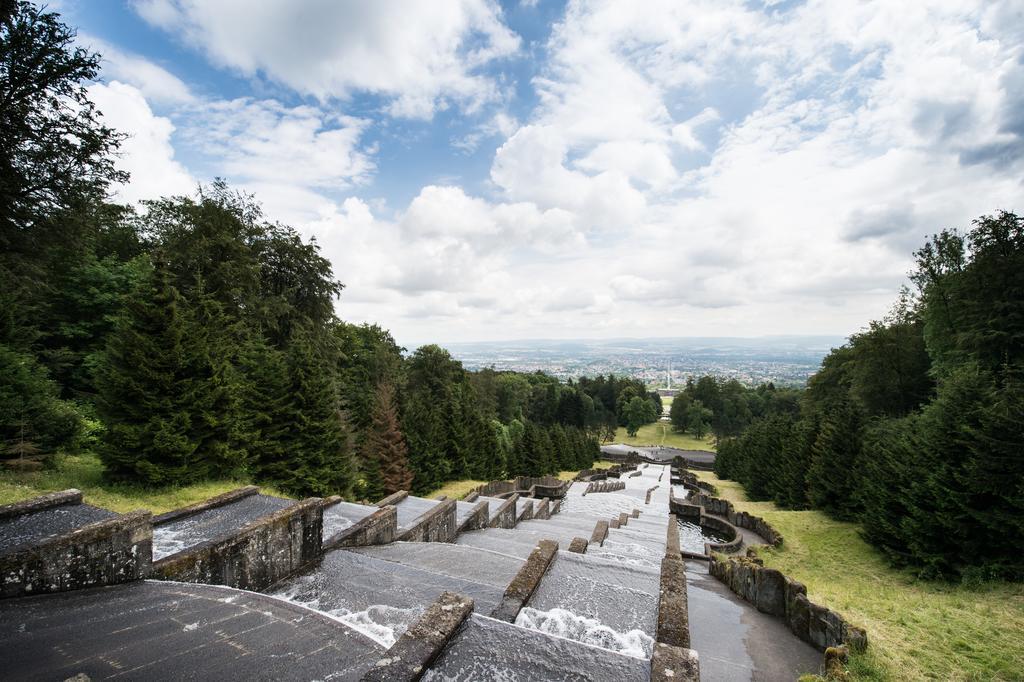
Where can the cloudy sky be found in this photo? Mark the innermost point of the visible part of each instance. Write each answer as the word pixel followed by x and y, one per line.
pixel 536 169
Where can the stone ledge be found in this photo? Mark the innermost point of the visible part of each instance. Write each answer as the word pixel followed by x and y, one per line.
pixel 107 552
pixel 600 533
pixel 393 499
pixel 47 501
pixel 423 642
pixel 672 536
pixel 439 524
pixel 379 528
pixel 673 615
pixel 525 581
pixel 542 510
pixel 578 545
pixel 478 518
pixel 674 664
pixel 505 517
pixel 527 512
pixel 213 502
pixel 264 552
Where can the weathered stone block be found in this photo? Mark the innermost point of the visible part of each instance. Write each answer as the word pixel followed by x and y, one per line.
pixel 379 528
pixel 108 552
pixel 673 619
pixel 799 617
pixel 526 581
pixel 817 625
pixel 47 501
pixel 424 641
pixel 440 524
pixel 674 664
pixel 578 545
pixel 505 516
pixel 770 586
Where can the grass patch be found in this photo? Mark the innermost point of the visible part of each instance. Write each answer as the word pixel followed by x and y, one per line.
pixel 917 629
pixel 457 490
pixel 661 433
pixel 85 472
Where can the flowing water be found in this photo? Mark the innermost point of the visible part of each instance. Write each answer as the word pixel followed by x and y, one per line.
pixel 343 515
pixel 487 649
pixel 176 536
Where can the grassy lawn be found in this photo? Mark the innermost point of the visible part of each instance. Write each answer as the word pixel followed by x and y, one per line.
pixel 85 472
pixel 918 630
pixel 661 433
pixel 456 490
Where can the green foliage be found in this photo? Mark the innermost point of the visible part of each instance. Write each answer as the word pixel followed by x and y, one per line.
pixel 167 393
pixel 31 413
pixel 916 426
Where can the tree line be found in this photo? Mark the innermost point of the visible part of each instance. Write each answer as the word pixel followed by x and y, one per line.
pixel 192 338
pixel 915 427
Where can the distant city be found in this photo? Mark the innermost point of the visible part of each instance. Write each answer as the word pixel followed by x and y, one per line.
pixel 784 360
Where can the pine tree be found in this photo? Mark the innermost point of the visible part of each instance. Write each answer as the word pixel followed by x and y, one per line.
pixel 385 446
pixel 318 459
pixel 833 474
pixel 167 394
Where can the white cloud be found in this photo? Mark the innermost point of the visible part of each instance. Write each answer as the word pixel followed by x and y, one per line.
pixel 156 83
pixel 147 153
pixel 420 54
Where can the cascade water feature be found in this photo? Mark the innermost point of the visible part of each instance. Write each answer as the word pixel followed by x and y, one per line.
pixel 176 536
pixel 382 590
pixel 343 515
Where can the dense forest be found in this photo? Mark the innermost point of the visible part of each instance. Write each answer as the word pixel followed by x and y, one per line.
pixel 191 338
pixel 915 427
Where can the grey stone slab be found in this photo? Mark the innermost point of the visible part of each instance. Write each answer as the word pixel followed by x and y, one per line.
pixel 411 508
pixel 25 530
pixel 342 515
pixel 176 536
pixel 171 631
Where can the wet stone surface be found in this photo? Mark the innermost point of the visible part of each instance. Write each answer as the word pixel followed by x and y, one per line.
pixel 488 649
pixel 23 531
pixel 595 602
pixel 378 597
pixel 151 630
pixel 411 508
pixel 177 536
pixel 344 515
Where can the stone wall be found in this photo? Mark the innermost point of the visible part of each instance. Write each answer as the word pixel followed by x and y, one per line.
pixel 379 528
pixel 733 539
pixel 505 516
pixel 109 552
pixel 440 524
pixel 720 507
pixel 478 518
pixel 776 594
pixel 260 554
pixel 604 487
pixel 47 501
pixel 525 582
pixel 213 502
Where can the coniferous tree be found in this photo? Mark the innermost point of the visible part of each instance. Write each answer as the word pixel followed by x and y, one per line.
pixel 319 451
pixel 165 394
pixel 385 446
pixel 832 476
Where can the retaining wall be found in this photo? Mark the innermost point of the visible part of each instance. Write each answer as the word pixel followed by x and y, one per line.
pixel 720 507
pixel 440 524
pixel 213 502
pixel 776 594
pixel 258 555
pixel 108 552
pixel 379 528
pixel 525 582
pixel 505 517
pixel 478 518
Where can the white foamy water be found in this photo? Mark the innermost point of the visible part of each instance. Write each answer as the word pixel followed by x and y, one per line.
pixel 566 624
pixel 167 542
pixel 381 623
